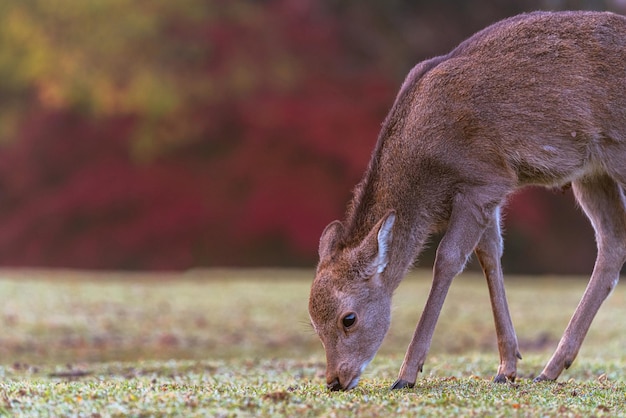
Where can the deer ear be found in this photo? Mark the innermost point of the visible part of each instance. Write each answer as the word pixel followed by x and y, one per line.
pixel 384 237
pixel 374 250
pixel 330 238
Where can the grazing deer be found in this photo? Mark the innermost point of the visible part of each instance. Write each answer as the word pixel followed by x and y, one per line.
pixel 539 99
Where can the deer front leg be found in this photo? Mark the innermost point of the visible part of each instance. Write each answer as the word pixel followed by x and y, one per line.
pixel 489 252
pixel 465 227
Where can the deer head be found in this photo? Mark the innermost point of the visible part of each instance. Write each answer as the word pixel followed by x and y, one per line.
pixel 350 305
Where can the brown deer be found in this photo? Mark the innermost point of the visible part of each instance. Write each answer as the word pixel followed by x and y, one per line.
pixel 539 99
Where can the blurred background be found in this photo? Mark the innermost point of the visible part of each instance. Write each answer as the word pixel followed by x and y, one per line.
pixel 157 135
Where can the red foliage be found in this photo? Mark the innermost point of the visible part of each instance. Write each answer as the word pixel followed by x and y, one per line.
pixel 273 163
pixel 267 155
pixel 72 197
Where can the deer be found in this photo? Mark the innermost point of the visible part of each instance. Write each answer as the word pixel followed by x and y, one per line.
pixel 535 99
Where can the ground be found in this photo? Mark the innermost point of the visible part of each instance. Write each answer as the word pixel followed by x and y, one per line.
pixel 238 343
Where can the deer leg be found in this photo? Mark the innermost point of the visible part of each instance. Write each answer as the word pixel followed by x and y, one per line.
pixel 489 252
pixel 603 201
pixel 465 227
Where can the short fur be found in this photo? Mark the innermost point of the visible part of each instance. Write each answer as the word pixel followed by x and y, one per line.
pixel 534 99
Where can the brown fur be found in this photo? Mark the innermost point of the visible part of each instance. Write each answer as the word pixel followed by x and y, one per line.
pixel 534 99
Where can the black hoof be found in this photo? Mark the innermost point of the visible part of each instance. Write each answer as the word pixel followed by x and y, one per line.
pixel 402 384
pixel 499 378
pixel 542 378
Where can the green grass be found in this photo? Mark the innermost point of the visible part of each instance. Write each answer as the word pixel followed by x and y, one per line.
pixel 238 343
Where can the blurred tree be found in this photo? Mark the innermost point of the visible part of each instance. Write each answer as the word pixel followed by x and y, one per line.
pixel 104 58
pixel 168 134
pixel 131 119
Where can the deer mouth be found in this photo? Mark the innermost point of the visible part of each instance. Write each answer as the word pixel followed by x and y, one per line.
pixel 336 386
pixel 350 383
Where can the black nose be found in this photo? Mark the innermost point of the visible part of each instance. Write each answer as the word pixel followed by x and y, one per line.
pixel 334 385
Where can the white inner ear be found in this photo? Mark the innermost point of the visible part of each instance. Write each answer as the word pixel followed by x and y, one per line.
pixel 384 242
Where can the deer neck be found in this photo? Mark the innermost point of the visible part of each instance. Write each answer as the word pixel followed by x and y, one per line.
pixel 403 184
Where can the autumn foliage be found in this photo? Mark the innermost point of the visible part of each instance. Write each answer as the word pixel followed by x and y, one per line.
pixel 170 135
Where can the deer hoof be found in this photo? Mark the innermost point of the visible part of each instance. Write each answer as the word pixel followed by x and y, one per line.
pixel 402 384
pixel 502 378
pixel 499 378
pixel 542 378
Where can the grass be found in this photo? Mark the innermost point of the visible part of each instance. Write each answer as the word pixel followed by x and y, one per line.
pixel 237 343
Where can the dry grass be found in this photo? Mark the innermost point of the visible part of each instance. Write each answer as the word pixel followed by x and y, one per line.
pixel 238 342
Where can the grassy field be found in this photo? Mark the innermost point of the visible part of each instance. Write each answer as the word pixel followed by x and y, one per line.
pixel 238 343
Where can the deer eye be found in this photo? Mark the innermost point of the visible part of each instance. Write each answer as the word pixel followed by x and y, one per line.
pixel 348 320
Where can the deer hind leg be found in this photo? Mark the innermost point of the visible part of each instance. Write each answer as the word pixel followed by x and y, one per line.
pixel 603 201
pixel 489 253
